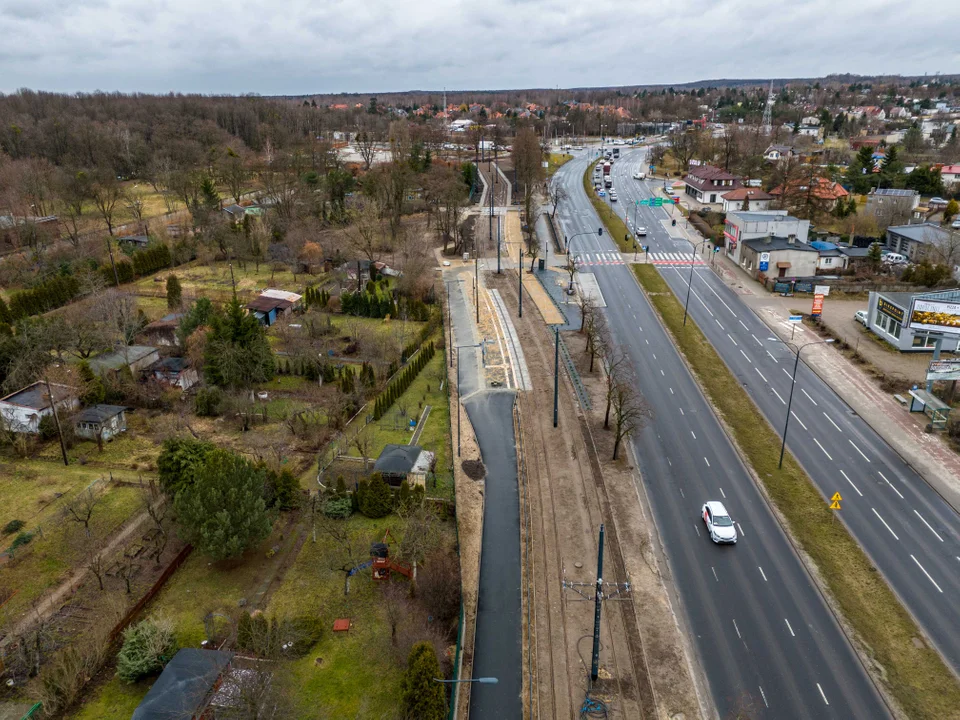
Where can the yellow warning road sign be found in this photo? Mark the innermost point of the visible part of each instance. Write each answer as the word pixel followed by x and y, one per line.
pixel 836 497
pixel 835 505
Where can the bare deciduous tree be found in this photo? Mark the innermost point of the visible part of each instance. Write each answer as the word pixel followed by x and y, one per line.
pixel 106 192
pixel 80 509
pixel 630 409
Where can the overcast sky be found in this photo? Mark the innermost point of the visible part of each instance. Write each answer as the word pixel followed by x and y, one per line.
pixel 320 46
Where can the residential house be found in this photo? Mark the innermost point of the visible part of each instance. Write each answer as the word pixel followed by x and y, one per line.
pixel 775 153
pixel 706 183
pixel 950 174
pixel 134 357
pixel 741 226
pixel 813 131
pixel 22 410
pixel 897 113
pixel 101 423
pixel 819 191
pixel 756 198
pixel 830 258
pixel 162 332
pixel 924 240
pixel 404 462
pixel 865 141
pixel 176 372
pixel 892 202
pixel 779 257
pixel 272 304
pixel 888 318
pixel 186 687
pixel 855 255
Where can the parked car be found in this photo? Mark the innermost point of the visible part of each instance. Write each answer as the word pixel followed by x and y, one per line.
pixel 719 523
pixel 861 317
pixel 894 259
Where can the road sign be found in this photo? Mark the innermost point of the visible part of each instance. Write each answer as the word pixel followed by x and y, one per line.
pixel 817 305
pixel 636 202
pixel 836 497
pixel 796 318
pixel 645 202
pixel 764 261
pixel 653 168
pixel 657 202
pixel 835 505
pixel 835 501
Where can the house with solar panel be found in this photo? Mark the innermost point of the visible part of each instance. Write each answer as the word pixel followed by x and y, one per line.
pixel 892 202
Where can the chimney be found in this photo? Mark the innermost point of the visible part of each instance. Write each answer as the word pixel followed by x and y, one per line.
pixel 791 239
pixel 768 240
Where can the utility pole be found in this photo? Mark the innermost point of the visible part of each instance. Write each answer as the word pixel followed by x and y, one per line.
pixel 498 245
pixel 614 591
pixel 520 273
pixel 116 277
pixel 56 417
pixel 476 285
pixel 556 376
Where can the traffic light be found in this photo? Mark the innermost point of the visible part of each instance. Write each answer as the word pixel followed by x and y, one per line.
pixel 600 232
pixel 626 237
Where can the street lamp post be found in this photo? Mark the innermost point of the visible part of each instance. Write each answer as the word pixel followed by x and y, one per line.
pixel 568 240
pixel 481 680
pixel 696 249
pixel 520 275
pixel 450 319
pixel 793 383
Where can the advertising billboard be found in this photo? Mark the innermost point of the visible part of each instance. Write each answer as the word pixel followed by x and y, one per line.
pixel 817 305
pixel 937 315
pixel 944 370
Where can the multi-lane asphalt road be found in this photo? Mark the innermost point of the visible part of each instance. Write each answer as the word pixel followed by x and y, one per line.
pixel 911 534
pixel 765 636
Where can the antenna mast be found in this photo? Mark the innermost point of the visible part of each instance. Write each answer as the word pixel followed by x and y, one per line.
pixel 767 122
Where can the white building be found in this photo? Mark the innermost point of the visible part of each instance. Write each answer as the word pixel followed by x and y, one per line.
pixel 460 125
pixel 741 226
pixel 21 411
pixel 101 422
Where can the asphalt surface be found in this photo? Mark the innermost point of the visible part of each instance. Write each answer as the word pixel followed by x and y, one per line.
pixel 910 533
pixel 766 639
pixel 497 647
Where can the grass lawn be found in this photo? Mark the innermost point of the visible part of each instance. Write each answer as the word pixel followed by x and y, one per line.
pixel 393 428
pixel 128 451
pixel 214 279
pixel 916 676
pixel 115 700
pixel 154 307
pixel 47 559
pixel 557 161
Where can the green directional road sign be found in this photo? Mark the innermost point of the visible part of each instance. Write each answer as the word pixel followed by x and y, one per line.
pixel 636 202
pixel 657 202
pixel 645 202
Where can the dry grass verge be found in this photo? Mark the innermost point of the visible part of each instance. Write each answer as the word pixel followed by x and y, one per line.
pixel 913 673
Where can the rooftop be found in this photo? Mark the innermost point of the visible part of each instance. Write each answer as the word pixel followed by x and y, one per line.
pixel 121 358
pixel 265 304
pixel 183 685
pixel 903 299
pixel 893 192
pixel 749 216
pixel 921 232
pixel 772 244
pixel 744 192
pixel 399 459
pixel 100 413
pixel 35 396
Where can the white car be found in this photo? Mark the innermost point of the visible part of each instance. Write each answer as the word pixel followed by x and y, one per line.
pixel 613 196
pixel 861 317
pixel 719 523
pixel 641 232
pixel 639 175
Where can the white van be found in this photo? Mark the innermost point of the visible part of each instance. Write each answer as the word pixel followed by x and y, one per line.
pixel 894 259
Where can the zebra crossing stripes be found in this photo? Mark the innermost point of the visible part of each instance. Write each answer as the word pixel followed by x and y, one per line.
pixel 668 258
pixel 599 258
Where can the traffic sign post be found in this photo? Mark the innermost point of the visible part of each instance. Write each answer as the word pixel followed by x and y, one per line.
pixel 835 502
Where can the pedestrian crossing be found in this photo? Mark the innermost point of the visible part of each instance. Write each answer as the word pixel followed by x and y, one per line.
pixel 599 258
pixel 669 258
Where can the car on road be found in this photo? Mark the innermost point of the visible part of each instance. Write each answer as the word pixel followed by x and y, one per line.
pixel 641 232
pixel 578 147
pixel 639 175
pixel 719 523
pixel 613 196
pixel 603 193
pixel 861 317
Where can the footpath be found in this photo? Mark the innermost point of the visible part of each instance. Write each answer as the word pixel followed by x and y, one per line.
pixel 928 453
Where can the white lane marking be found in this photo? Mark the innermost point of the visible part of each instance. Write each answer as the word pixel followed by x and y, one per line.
pixel 788 374
pixel 778 395
pixel 808 396
pixel 760 374
pixel 654 355
pixel 681 411
pixel 718 323
pixel 715 573
pixel 721 300
pixel 663 373
pixel 755 338
pixel 697 528
pixel 928 526
pixel 772 357
pixel 723 493
pixel 832 422
pixel 634 316
pixel 741 530
pixel 681 493
pixel 746 356
pixel 706 461
pixel 763 696
pixel 885 523
pixel 798 420
pixel 646 341
pixel 789 628
pixel 889 483
pixel 694 435
pixel 851 483
pixel 744 326
pixel 925 573
pixel 859 451
pixel 822 448
pixel 671 391
pixel 822 695
pixel 737 629
pixel 762 573
pixel 732 340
